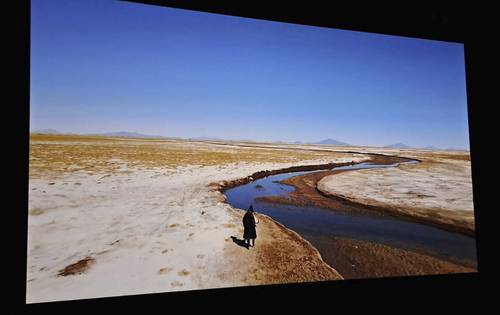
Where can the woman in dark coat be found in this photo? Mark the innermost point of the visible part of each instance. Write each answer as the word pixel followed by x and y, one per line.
pixel 249 233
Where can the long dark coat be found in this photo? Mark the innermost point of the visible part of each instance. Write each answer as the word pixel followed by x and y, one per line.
pixel 249 225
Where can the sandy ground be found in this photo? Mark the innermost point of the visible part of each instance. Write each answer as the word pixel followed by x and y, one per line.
pixel 356 259
pixel 439 189
pixel 280 256
pixel 125 222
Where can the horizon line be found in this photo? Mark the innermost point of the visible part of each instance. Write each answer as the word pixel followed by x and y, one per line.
pixel 215 138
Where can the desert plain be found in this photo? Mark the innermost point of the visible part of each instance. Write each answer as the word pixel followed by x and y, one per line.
pixel 111 216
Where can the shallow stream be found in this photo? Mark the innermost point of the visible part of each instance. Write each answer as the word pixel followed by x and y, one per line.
pixel 311 222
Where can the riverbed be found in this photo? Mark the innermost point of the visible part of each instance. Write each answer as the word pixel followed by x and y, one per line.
pixel 329 230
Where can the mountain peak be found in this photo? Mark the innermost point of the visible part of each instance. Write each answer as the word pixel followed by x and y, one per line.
pixel 127 134
pixel 48 131
pixel 398 145
pixel 331 141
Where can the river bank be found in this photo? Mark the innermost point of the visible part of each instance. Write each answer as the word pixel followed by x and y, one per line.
pixel 437 192
pixel 356 259
pixel 397 261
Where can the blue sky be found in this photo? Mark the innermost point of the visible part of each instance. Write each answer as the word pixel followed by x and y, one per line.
pixel 101 66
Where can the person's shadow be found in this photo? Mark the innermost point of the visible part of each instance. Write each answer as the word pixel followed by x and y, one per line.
pixel 239 242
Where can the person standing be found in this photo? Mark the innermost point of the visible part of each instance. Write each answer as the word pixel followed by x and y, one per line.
pixel 249 233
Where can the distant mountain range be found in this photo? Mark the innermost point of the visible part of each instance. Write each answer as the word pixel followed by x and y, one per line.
pixel 48 131
pixel 325 141
pixel 206 139
pixel 126 134
pixel 398 146
pixel 328 141
pixel 455 149
pixel 429 147
pixel 331 141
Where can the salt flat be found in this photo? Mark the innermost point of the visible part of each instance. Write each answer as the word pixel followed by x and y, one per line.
pixel 438 189
pixel 141 217
pixel 118 216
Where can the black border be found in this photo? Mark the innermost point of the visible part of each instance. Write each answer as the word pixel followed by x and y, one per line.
pixel 432 22
pixel 456 23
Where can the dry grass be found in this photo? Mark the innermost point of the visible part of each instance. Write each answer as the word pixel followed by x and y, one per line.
pixel 36 211
pixel 59 154
pixel 448 156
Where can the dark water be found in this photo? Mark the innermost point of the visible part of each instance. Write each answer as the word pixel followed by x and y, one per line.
pixel 311 221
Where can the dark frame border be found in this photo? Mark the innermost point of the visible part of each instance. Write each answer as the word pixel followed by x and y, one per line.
pixel 438 23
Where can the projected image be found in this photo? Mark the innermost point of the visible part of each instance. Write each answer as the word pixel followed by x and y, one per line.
pixel 175 150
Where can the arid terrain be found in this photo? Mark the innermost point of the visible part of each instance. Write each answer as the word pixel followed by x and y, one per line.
pixel 437 190
pixel 120 216
pixel 132 216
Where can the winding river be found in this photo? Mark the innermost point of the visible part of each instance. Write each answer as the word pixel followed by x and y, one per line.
pixel 318 225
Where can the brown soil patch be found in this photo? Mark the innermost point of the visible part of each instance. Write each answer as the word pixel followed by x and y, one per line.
pixel 77 268
pixel 36 211
pixel 177 284
pixel 450 156
pixel 164 270
pixel 355 259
